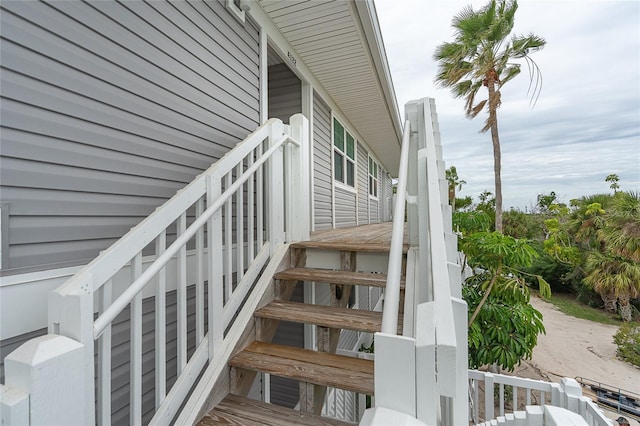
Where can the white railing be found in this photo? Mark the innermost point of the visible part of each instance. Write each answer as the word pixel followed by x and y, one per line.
pixel 514 394
pixel 211 240
pixel 423 372
pixel 394 270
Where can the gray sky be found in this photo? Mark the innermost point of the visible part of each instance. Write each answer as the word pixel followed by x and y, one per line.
pixel 586 123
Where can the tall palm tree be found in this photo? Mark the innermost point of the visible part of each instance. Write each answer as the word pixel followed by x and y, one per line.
pixel 482 56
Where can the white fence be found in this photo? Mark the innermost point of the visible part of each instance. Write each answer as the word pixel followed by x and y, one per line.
pixel 226 225
pixel 520 393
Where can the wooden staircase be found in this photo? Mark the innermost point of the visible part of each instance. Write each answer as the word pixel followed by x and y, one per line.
pixel 315 370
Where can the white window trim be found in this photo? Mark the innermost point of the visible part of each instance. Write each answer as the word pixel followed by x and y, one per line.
pixel 239 14
pixel 373 197
pixel 343 185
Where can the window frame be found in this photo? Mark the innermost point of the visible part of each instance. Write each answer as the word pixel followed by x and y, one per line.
pixel 234 7
pixel 375 179
pixel 343 153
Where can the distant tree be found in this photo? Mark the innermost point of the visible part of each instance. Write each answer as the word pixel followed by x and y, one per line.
pixel 613 180
pixel 545 201
pixel 451 174
pixel 600 238
pixel 613 269
pixel 487 204
pixel 483 55
pixel 519 224
pixel 463 203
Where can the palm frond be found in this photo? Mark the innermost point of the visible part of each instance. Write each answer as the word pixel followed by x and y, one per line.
pixel 475 110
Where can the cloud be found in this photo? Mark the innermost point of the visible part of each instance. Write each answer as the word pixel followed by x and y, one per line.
pixel 586 122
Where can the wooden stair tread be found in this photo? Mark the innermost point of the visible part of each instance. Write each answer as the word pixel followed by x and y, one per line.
pixel 335 277
pixel 347 246
pixel 324 316
pixel 236 410
pixel 321 368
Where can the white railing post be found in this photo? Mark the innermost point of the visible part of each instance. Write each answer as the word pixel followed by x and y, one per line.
pixel 488 396
pixel 215 262
pixel 275 200
pixel 14 406
pixel 426 384
pixel 46 368
pixel 573 392
pixel 297 181
pixel 395 373
pixel 461 400
pixel 71 315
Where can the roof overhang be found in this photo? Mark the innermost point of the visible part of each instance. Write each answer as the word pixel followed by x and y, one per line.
pixel 341 44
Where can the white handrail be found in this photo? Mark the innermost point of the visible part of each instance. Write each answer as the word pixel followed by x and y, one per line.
pixel 226 266
pixel 136 287
pixel 394 270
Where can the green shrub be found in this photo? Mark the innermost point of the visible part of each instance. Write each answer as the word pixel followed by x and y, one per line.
pixel 628 341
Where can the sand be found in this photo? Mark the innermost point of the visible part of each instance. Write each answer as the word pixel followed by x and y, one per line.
pixel 574 348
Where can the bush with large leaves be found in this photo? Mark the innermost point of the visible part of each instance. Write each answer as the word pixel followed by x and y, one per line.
pixel 503 326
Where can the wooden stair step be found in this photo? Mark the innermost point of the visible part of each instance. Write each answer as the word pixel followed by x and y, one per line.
pixel 320 368
pixel 346 246
pixel 335 277
pixel 324 316
pixel 236 410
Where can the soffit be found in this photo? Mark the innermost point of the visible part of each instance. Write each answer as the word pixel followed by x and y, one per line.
pixel 329 36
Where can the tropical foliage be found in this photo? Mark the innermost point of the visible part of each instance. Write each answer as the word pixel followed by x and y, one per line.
pixel 628 341
pixel 503 326
pixel 484 55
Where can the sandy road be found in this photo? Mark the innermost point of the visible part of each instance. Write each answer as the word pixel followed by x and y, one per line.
pixel 575 347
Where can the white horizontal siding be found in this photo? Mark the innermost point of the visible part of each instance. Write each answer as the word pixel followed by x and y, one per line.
pixel 363 185
pixel 321 164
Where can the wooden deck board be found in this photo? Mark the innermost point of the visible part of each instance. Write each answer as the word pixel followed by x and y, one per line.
pixel 324 316
pixel 377 233
pixel 347 246
pixel 320 368
pixel 236 410
pixel 367 238
pixel 334 277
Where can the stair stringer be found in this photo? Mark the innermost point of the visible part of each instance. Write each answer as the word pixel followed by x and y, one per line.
pixel 214 384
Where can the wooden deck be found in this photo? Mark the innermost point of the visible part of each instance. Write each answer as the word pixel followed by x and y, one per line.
pixel 374 235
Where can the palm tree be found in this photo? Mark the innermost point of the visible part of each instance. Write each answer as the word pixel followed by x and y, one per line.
pixel 613 268
pixel 481 56
pixel 451 174
pixel 615 279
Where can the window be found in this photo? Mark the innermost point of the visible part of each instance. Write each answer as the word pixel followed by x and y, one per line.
pixel 344 155
pixel 236 8
pixel 373 178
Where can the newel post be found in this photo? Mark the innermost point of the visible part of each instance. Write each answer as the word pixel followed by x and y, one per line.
pixel 275 182
pixel 297 181
pixel 58 369
pixel 48 370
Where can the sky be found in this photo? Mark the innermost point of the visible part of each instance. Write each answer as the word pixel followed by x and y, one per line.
pixel 586 122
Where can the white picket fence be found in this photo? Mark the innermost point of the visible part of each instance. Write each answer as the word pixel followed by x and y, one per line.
pixel 216 234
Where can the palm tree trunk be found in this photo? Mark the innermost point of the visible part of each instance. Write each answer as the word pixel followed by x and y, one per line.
pixel 497 157
pixel 609 300
pixel 625 308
